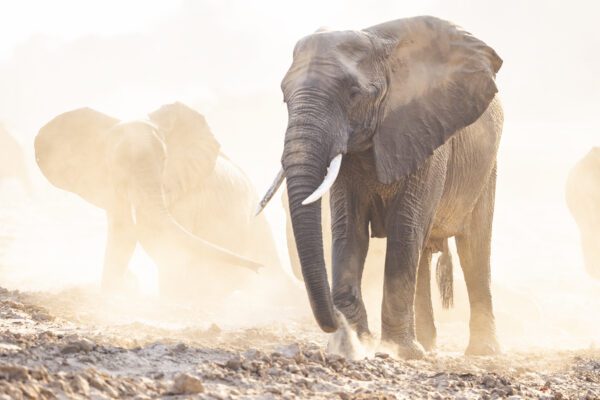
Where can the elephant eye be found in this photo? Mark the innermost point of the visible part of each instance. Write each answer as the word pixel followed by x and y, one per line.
pixel 355 91
pixel 373 89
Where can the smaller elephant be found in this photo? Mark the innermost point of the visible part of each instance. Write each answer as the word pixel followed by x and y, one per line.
pixel 12 160
pixel 165 184
pixel 583 200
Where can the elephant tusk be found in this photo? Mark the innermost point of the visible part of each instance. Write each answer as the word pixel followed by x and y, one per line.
pixel 332 172
pixel 271 191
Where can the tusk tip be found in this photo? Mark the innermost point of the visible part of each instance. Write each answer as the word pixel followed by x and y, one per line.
pixel 308 201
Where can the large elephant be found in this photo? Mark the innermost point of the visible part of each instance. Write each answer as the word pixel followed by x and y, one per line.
pixel 583 200
pixel 12 160
pixel 401 121
pixel 165 184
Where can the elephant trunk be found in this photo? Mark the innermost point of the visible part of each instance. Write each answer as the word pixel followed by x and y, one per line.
pixel 307 153
pixel 156 226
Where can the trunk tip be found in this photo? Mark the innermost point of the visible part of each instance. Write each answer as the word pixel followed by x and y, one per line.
pixel 328 325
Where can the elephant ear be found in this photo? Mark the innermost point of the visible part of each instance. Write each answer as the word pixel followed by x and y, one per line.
pixel 440 80
pixel 70 151
pixel 192 150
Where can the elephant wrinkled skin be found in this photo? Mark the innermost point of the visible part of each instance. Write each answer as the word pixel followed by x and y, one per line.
pixel 401 123
pixel 165 184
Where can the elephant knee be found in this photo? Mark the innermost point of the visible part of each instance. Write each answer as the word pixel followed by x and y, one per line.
pixel 348 300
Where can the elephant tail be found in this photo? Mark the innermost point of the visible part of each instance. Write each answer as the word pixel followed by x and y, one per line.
pixel 444 278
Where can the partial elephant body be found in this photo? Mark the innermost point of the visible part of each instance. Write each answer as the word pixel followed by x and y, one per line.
pixel 400 122
pixel 220 209
pixel 164 184
pixel 455 186
pixel 372 279
pixel 12 160
pixel 583 200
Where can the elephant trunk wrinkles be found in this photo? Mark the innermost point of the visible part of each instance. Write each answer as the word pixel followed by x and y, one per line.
pixel 306 156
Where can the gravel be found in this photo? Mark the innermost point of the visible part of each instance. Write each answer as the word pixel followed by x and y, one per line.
pixel 66 355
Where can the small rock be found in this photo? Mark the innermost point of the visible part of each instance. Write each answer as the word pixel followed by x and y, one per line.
pixel 291 351
pixel 317 356
pixel 77 346
pixel 489 382
pixel 14 372
pixel 234 363
pixel 187 384
pixel 80 385
pixel 180 348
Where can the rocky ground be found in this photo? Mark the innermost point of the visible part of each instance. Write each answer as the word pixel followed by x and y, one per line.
pixel 60 346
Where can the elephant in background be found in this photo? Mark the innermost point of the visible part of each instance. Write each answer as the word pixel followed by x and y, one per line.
pixel 401 123
pixel 164 183
pixel 583 200
pixel 12 160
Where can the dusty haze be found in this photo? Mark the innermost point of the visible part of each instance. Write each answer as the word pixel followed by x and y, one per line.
pixel 227 58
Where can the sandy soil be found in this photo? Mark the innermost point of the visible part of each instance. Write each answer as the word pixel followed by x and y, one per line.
pixel 71 345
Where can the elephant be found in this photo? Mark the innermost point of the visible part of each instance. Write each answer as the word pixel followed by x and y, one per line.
pixel 12 160
pixel 164 183
pixel 583 201
pixel 401 124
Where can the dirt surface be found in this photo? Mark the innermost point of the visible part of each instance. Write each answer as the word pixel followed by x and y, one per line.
pixel 62 346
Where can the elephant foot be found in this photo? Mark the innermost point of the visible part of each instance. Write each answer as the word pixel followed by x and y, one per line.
pixel 426 335
pixel 427 341
pixel 483 346
pixel 411 350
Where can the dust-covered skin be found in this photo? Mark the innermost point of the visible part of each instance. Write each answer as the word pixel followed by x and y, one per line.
pixel 74 352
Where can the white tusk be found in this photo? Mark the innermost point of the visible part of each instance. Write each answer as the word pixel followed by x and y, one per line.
pixel 271 192
pixel 332 172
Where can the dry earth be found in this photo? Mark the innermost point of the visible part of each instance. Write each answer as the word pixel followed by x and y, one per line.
pixel 63 346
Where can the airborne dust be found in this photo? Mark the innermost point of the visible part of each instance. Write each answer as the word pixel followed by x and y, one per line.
pixel 226 61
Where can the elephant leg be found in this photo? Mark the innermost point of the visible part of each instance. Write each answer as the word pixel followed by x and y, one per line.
pixel 408 226
pixel 474 247
pixel 425 325
pixel 350 233
pixel 120 245
pixel 397 312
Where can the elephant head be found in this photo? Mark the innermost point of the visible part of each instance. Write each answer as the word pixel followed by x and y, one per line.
pixel 583 200
pixel 398 90
pixel 137 167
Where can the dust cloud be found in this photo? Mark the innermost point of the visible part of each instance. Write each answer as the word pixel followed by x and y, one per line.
pixel 226 59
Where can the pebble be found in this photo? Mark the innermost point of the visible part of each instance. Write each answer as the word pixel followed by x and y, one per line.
pixel 77 346
pixel 187 384
pixel 80 385
pixel 234 363
pixel 14 372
